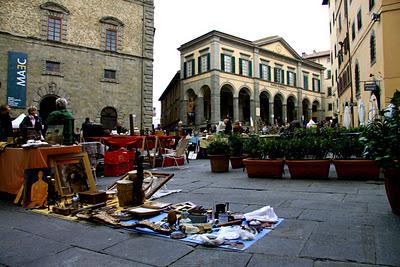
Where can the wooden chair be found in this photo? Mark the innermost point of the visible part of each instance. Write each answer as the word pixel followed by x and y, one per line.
pixel 179 153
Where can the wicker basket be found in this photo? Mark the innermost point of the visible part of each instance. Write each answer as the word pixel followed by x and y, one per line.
pixel 125 191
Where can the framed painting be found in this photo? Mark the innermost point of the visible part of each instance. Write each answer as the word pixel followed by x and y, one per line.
pixel 72 173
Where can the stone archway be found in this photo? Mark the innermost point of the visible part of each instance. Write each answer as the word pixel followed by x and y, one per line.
pixel 206 103
pixel 109 117
pixel 226 102
pixel 278 110
pixel 291 109
pixel 46 106
pixel 244 106
pixel 305 111
pixel 315 111
pixel 264 107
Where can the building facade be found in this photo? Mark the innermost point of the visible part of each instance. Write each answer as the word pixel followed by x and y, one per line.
pixel 324 58
pixel 264 81
pixel 365 55
pixel 97 56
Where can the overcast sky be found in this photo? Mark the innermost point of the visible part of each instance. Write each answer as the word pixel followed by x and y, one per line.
pixel 304 24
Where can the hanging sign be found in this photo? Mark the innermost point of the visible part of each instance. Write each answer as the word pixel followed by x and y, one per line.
pixel 370 86
pixel 17 79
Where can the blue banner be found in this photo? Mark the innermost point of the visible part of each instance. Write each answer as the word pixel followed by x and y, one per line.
pixel 17 79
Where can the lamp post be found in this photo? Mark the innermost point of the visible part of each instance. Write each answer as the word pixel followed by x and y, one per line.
pixel 132 117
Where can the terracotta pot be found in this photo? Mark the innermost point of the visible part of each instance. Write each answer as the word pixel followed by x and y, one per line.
pixel 237 162
pixel 309 168
pixel 265 168
pixel 356 169
pixel 392 186
pixel 219 163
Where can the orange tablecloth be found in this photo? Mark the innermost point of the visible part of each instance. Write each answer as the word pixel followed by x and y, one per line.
pixel 14 161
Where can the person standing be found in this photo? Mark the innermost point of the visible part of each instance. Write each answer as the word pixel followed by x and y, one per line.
pixel 86 127
pixel 6 129
pixel 62 116
pixel 33 121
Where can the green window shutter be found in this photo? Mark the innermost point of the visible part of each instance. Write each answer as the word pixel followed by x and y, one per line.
pixel 240 66
pixel 199 64
pixel 269 73
pixel 275 74
pixel 319 86
pixel 313 84
pixel 287 77
pixel 233 65
pixel 222 62
pixel 208 62
pixel 250 69
pixel 184 69
pixel 193 67
pixel 283 76
pixel 294 79
pixel 261 71
pixel 305 78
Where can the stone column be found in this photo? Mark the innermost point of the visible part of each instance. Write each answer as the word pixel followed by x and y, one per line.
pixel 215 54
pixel 215 98
pixel 199 111
pixel 236 109
pixel 183 114
pixel 271 113
pixel 256 98
pixel 253 114
pixel 310 112
pixel 299 105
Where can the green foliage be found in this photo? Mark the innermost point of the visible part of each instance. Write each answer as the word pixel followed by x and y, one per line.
pixel 219 146
pixel 382 136
pixel 236 144
pixel 272 148
pixel 252 147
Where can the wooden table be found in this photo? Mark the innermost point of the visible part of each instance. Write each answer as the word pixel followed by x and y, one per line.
pixel 14 162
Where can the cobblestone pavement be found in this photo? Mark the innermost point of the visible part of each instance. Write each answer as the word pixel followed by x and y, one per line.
pixel 327 223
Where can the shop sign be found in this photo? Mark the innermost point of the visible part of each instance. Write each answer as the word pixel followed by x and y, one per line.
pixel 17 79
pixel 370 86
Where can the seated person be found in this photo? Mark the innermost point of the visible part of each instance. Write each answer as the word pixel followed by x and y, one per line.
pixel 33 122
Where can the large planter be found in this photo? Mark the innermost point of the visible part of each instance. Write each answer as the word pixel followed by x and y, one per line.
pixel 265 168
pixel 356 169
pixel 237 162
pixel 309 168
pixel 219 163
pixel 392 186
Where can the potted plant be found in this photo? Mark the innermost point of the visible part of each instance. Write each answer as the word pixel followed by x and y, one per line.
pixel 306 153
pixel 218 151
pixel 348 157
pixel 382 141
pixel 266 157
pixel 236 149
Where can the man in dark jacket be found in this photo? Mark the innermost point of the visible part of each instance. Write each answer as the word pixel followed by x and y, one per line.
pixel 5 123
pixel 32 121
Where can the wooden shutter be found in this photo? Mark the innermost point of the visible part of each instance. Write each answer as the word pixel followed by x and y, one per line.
pixel 208 62
pixel 283 76
pixel 222 62
pixel 269 73
pixel 294 79
pixel 250 69
pixel 287 76
pixel 193 72
pixel 184 69
pixel 233 64
pixel 199 65
pixel 275 74
pixel 240 66
pixel 261 71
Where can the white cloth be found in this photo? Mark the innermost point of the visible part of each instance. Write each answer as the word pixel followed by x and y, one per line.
pixel 264 214
pixel 346 117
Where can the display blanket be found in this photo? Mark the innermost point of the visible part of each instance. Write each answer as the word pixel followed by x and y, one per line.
pixel 226 245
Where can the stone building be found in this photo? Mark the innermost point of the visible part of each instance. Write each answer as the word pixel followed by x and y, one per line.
pixel 98 56
pixel 253 82
pixel 365 43
pixel 324 58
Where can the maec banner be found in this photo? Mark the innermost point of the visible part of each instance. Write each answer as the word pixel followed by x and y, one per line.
pixel 17 78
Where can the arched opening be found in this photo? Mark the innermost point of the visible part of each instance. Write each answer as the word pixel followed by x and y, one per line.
pixel 315 108
pixel 191 109
pixel 278 110
pixel 244 106
pixel 291 111
pixel 109 118
pixel 46 106
pixel 305 113
pixel 207 103
pixel 264 107
pixel 226 102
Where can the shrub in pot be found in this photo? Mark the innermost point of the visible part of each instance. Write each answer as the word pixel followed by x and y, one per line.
pixel 266 157
pixel 236 150
pixel 218 151
pixel 382 141
pixel 306 153
pixel 348 157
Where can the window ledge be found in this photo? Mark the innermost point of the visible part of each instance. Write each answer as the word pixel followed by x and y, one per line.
pixel 107 80
pixel 52 73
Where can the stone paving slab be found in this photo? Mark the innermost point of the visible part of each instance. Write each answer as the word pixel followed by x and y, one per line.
pixel 327 223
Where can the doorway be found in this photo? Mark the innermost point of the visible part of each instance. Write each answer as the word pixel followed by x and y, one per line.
pixel 46 106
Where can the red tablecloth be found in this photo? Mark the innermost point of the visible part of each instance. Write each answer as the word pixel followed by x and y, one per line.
pixel 121 141
pixel 14 161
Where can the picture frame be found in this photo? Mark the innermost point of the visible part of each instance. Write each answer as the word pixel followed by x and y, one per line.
pixel 72 174
pixel 55 134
